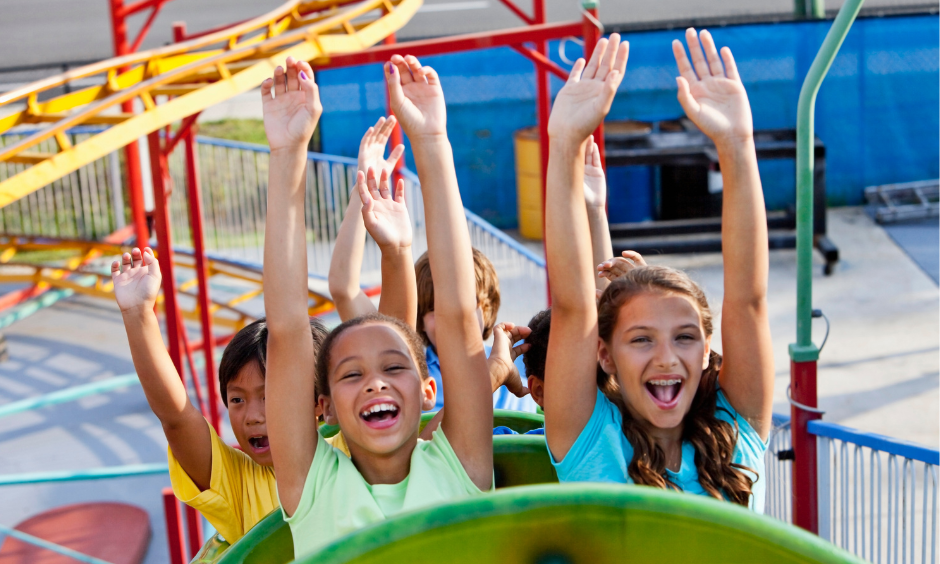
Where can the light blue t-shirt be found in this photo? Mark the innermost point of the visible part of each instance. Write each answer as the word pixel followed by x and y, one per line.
pixel 502 398
pixel 602 453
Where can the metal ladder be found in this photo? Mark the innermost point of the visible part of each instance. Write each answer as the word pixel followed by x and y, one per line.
pixel 905 201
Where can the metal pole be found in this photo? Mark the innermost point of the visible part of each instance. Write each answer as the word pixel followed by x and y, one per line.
pixel 543 110
pixel 202 276
pixel 174 527
pixel 135 186
pixel 161 224
pixel 193 531
pixel 804 354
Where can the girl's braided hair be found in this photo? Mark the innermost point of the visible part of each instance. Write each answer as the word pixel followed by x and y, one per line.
pixel 713 438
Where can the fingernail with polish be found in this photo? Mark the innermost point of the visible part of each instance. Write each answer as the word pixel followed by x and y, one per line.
pixel 303 75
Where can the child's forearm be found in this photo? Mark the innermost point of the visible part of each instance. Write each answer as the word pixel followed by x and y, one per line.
pixel 346 263
pixel 399 288
pixel 744 223
pixel 183 424
pixel 600 241
pixel 567 231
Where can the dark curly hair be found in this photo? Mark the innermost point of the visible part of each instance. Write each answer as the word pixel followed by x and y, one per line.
pixel 713 438
pixel 250 344
pixel 411 338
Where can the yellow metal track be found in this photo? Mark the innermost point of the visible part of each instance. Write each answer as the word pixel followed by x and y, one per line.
pixel 180 80
pixel 62 260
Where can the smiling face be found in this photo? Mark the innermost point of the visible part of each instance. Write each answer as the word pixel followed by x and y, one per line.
pixel 246 412
pixel 376 390
pixel 658 350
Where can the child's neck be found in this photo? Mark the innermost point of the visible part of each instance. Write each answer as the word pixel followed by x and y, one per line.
pixel 391 468
pixel 670 440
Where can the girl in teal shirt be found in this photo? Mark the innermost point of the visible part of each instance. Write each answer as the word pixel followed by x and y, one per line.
pixel 685 419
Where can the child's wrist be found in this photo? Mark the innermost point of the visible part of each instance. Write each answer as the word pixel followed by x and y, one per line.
pixel 138 313
pixel 395 250
pixel 732 145
pixel 292 150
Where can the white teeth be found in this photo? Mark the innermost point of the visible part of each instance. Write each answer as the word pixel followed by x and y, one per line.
pixel 379 407
pixel 664 382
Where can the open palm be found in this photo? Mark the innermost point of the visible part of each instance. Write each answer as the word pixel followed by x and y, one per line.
pixel 416 97
pixel 711 93
pixel 585 99
pixel 138 284
pixel 372 147
pixel 291 105
pixel 385 215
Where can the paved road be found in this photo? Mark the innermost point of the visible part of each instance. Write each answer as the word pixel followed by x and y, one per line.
pixel 51 31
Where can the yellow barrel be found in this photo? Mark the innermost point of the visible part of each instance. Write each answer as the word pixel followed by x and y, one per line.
pixel 529 182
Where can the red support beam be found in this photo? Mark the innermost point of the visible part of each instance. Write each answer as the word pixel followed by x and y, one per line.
pixel 174 527
pixel 202 271
pixel 518 11
pixel 193 531
pixel 541 61
pixel 146 27
pixel 543 109
pixel 161 224
pixel 455 44
pixel 805 487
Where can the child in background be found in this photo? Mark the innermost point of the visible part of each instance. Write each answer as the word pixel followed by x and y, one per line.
pixel 371 369
pixel 689 421
pixel 388 223
pixel 233 489
pixel 511 392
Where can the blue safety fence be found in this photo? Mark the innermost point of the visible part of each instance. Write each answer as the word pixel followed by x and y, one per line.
pixel 877 112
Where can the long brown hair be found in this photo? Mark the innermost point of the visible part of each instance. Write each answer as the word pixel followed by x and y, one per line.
pixel 713 438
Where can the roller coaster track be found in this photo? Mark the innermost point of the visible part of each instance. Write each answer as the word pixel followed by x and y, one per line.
pixel 178 81
pixel 82 267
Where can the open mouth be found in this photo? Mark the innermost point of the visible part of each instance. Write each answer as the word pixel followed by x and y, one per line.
pixel 665 391
pixel 259 443
pixel 380 415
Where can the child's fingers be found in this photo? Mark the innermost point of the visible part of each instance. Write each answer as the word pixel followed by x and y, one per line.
pixel 415 67
pixel 682 61
pixel 686 100
pixel 126 262
pixel 366 139
pixel 384 192
pixel 595 154
pixel 607 61
pixel 115 268
pixel 310 90
pixel 396 154
pixel 291 71
pixel 623 53
pixel 431 76
pixel 393 78
pixel 383 131
pixel 364 193
pixel 280 81
pixel 634 256
pixel 372 184
pixel 587 153
pixel 711 54
pixel 400 192
pixel 401 67
pixel 590 70
pixel 576 69
pixel 136 257
pixel 731 68
pixel 695 50
pixel 267 92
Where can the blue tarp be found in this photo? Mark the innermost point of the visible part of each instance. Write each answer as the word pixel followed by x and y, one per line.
pixel 877 111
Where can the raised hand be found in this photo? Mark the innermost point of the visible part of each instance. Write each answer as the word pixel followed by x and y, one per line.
pixel 384 214
pixel 614 268
pixel 372 147
pixel 712 94
pixel 137 286
pixel 595 183
pixel 501 363
pixel 416 97
pixel 291 105
pixel 585 99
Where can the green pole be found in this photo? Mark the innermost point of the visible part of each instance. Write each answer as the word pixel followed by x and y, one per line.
pixel 804 350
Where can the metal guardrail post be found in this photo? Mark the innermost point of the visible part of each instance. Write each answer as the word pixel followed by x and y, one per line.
pixel 824 480
pixel 804 354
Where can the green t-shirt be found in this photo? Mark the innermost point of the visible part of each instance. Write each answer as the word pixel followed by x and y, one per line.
pixel 336 500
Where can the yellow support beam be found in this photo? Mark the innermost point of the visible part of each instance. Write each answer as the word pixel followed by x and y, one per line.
pixel 305 31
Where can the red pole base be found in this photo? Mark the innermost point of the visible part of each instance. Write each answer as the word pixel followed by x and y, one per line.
pixel 805 487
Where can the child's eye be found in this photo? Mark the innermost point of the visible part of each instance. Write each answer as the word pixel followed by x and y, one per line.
pixel 235 400
pixel 686 337
pixel 641 340
pixel 350 375
pixel 395 368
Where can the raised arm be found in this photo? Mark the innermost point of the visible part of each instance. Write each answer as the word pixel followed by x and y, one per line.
pixel 571 363
pixel 136 289
pixel 595 199
pixel 346 261
pixel 418 102
pixel 714 99
pixel 291 110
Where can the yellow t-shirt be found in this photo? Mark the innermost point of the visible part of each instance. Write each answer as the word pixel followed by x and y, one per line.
pixel 241 491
